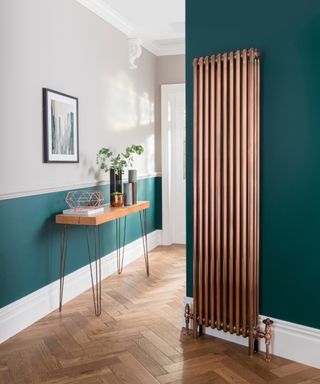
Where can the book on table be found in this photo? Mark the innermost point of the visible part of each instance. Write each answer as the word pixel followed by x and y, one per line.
pixel 83 211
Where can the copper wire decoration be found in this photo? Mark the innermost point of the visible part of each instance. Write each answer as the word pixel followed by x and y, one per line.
pixel 84 199
pixel 226 183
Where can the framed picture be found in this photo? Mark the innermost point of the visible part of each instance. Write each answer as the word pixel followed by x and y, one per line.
pixel 60 127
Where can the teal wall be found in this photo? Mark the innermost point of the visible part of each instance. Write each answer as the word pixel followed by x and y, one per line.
pixel 30 239
pixel 288 34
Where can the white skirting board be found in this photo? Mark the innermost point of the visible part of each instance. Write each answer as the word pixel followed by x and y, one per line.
pixel 24 312
pixel 289 340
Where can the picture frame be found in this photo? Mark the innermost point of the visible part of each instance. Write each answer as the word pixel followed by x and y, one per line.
pixel 60 127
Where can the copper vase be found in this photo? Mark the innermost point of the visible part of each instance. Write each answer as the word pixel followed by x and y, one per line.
pixel 117 200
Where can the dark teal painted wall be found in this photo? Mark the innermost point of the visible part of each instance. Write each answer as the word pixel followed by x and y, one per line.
pixel 288 34
pixel 29 238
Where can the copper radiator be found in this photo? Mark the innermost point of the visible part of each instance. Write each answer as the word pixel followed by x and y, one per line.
pixel 226 193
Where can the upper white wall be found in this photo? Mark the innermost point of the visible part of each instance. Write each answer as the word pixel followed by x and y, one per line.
pixel 61 45
pixel 171 69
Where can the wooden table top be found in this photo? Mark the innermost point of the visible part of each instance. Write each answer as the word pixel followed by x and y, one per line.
pixel 109 214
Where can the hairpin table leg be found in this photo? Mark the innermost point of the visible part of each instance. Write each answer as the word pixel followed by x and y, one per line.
pixel 118 245
pixel 96 288
pixel 63 257
pixel 144 233
pixel 123 242
pixel 120 257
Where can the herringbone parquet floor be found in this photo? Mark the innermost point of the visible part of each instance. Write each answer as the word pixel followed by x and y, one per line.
pixel 137 339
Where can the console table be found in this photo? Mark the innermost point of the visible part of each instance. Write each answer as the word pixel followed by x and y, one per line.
pixel 94 221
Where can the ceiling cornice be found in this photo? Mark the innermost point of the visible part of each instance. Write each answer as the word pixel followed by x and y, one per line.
pixel 164 49
pixel 101 9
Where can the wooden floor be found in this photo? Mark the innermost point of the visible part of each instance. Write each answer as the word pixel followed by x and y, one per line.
pixel 137 339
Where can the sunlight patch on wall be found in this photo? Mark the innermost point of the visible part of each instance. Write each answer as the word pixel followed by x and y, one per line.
pixel 126 110
pixel 146 110
pixel 150 153
pixel 121 110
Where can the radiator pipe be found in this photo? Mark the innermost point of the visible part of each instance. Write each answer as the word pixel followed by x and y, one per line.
pixel 266 335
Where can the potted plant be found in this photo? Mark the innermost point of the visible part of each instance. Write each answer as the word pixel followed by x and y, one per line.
pixel 116 163
pixel 117 199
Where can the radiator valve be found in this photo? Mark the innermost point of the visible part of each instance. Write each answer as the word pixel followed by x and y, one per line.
pixel 188 317
pixel 266 335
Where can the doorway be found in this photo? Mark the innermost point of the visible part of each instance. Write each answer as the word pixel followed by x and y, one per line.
pixel 173 133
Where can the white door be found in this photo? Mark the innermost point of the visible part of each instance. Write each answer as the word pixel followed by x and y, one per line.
pixel 173 126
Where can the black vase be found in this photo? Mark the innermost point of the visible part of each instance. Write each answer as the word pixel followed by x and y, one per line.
pixel 115 181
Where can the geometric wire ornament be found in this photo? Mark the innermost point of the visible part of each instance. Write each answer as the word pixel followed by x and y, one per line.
pixel 84 199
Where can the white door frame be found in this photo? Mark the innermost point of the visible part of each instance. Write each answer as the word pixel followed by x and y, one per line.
pixel 168 184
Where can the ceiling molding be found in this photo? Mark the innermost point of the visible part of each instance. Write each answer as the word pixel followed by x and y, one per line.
pixel 164 49
pixel 101 9
pixel 150 46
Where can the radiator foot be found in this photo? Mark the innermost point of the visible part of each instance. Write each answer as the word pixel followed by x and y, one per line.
pixel 251 342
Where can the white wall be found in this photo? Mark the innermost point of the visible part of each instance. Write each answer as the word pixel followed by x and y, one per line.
pixel 171 69
pixel 61 45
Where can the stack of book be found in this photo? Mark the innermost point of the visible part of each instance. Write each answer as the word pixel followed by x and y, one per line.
pixel 84 211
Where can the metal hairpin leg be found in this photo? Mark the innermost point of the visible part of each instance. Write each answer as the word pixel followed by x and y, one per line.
pixel 124 240
pixel 143 224
pixel 63 256
pixel 96 288
pixel 118 243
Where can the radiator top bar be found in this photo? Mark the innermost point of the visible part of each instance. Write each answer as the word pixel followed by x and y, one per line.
pixel 229 56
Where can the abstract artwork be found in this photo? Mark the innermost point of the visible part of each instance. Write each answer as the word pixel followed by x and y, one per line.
pixel 60 124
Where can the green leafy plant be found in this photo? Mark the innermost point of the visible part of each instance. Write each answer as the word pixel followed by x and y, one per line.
pixel 107 160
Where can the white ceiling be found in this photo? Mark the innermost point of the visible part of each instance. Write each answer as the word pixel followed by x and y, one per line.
pixel 159 23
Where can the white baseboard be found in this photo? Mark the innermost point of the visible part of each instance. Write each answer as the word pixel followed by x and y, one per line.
pixel 24 312
pixel 289 340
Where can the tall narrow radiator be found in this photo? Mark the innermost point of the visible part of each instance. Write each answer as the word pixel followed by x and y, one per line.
pixel 226 194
